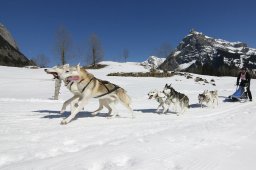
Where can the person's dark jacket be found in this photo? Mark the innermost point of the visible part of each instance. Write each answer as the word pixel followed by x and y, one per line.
pixel 244 82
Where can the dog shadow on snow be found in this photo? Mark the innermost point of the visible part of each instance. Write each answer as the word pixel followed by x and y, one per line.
pixel 153 111
pixel 196 105
pixel 52 114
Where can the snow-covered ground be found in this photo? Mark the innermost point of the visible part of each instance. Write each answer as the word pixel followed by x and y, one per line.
pixel 31 137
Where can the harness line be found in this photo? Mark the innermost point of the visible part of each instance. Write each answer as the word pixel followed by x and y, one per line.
pixel 103 83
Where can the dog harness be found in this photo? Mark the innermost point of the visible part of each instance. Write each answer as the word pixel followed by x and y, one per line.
pixel 103 83
pixel 86 84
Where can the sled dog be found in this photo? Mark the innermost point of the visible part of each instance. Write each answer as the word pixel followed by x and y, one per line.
pixel 160 97
pixel 178 99
pixel 85 86
pixel 210 98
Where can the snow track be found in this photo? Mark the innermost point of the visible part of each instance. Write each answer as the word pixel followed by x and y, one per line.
pixel 202 138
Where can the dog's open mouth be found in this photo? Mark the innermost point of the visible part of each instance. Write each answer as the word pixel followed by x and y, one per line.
pixel 150 97
pixel 71 78
pixel 55 74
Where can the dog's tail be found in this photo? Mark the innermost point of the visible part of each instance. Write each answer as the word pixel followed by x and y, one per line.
pixel 187 103
pixel 125 100
pixel 123 97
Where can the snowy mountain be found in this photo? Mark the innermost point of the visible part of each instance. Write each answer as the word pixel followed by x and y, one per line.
pixel 197 50
pixel 221 138
pixel 9 52
pixel 152 62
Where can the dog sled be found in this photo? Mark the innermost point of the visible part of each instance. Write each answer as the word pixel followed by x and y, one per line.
pixel 239 95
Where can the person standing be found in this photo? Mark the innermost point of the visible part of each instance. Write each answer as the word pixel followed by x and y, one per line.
pixel 245 78
pixel 57 89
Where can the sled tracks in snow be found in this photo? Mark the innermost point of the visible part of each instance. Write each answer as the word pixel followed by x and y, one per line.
pixel 230 109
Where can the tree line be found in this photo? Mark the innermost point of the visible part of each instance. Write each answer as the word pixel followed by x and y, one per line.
pixel 62 48
pixel 93 55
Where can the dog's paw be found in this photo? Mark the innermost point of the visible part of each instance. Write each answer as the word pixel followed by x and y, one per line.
pixel 109 117
pixel 63 122
pixel 62 111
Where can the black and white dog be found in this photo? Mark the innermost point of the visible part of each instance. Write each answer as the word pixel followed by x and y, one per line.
pixel 176 98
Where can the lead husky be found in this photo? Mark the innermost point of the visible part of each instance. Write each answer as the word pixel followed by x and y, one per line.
pixel 87 87
pixel 56 72
pixel 176 98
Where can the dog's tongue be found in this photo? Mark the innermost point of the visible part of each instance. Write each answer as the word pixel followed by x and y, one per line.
pixel 73 78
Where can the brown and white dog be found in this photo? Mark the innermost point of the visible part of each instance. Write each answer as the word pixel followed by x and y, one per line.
pixel 85 86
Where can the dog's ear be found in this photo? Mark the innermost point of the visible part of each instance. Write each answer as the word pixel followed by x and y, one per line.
pixel 78 68
pixel 66 66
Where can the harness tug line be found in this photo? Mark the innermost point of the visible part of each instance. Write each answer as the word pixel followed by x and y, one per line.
pixel 103 83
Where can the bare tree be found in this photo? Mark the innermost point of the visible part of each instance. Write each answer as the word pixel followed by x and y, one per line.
pixel 95 50
pixel 41 60
pixel 125 54
pixel 63 44
pixel 164 50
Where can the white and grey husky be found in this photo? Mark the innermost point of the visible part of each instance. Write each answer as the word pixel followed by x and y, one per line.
pixel 160 97
pixel 85 86
pixel 210 98
pixel 178 99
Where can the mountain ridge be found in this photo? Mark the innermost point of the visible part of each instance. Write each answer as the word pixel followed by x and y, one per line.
pixel 197 50
pixel 10 54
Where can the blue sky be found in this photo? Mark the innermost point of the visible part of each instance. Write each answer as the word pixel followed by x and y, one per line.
pixel 141 26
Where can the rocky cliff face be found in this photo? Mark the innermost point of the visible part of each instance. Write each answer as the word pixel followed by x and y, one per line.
pixel 197 50
pixel 8 36
pixel 9 52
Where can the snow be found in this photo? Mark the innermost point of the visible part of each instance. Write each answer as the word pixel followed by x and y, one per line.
pixel 218 138
pixel 224 42
pixel 176 53
pixel 251 51
pixel 186 65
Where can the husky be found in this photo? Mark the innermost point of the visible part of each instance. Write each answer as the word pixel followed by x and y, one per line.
pixel 85 86
pixel 160 97
pixel 210 98
pixel 176 98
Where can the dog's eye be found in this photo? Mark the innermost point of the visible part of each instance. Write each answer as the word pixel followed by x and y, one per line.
pixel 67 71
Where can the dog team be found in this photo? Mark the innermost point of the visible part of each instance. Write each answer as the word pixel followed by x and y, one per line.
pixel 85 86
pixel 169 96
